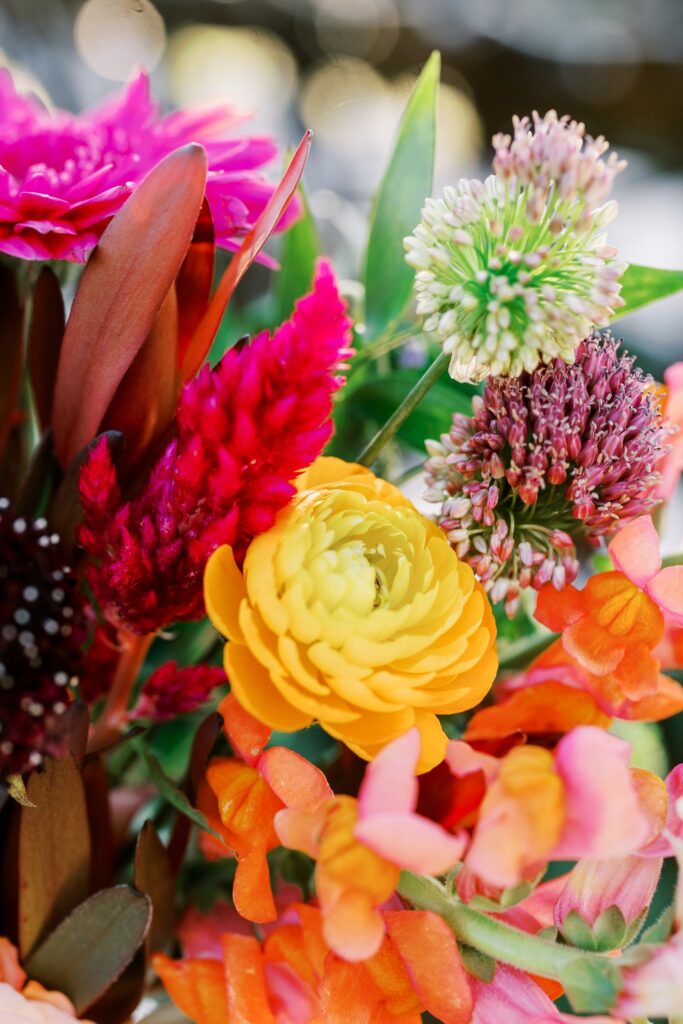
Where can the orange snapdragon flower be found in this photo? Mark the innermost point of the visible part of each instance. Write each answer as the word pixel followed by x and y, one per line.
pixel 240 797
pixel 613 625
pixel 294 975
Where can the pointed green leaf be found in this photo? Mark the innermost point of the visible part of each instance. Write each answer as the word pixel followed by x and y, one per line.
pixel 92 947
pixel 170 791
pixel 407 182
pixel 299 251
pixel 641 286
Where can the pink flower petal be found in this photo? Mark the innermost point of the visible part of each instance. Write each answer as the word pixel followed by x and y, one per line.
pixel 411 842
pixel 635 550
pixel 603 814
pixel 390 784
pixel 666 590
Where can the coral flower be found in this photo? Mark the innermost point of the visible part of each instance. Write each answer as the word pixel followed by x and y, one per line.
pixel 293 977
pixel 514 271
pixel 64 176
pixel 617 620
pixel 353 611
pixel 241 797
pixel 546 460
pixel 244 430
pixel 672 463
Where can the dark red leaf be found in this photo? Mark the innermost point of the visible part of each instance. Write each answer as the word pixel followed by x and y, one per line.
pixel 11 324
pixel 123 286
pixel 154 877
pixel 254 241
pixel 45 341
pixel 194 281
pixel 204 742
pixel 99 823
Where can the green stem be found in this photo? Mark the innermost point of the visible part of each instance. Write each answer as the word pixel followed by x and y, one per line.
pixel 385 433
pixel 520 653
pixel 672 560
pixel 493 938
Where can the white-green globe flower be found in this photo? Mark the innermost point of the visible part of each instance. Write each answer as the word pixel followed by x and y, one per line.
pixel 516 270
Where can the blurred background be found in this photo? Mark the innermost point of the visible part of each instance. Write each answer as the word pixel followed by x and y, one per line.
pixel 345 67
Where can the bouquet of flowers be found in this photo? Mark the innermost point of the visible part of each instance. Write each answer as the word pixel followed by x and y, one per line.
pixel 276 745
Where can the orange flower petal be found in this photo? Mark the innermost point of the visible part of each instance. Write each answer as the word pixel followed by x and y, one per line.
pixel 197 987
pixel 247 736
pixel 245 981
pixel 430 953
pixel 544 709
pixel 558 608
pixel 295 781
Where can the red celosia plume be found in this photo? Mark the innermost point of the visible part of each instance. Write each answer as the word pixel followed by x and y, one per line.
pixel 244 430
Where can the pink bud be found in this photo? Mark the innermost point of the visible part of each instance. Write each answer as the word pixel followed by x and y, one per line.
pixel 603 901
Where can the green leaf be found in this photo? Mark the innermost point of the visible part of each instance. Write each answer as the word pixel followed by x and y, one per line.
pixel 591 985
pixel 170 791
pixel 299 251
pixel 660 929
pixel 376 398
pixel 92 947
pixel 477 964
pixel 407 182
pixel 54 850
pixel 648 749
pixel 641 286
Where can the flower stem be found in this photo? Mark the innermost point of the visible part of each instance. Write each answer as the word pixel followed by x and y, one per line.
pixel 493 938
pixel 672 560
pixel 522 652
pixel 414 396
pixel 134 651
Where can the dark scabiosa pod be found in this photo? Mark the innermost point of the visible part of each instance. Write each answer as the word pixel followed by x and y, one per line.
pixel 42 628
pixel 547 459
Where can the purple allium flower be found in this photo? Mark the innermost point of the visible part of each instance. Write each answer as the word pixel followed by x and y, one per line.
pixel 42 627
pixel 563 454
pixel 515 270
pixel 64 176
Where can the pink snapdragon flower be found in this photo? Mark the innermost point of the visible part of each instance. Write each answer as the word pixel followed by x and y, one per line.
pixel 63 176
pixel 671 466
pixel 515 998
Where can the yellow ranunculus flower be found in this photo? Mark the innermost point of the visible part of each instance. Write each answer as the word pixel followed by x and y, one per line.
pixel 353 611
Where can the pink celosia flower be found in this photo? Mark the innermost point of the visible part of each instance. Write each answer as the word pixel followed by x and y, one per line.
pixel 244 430
pixel 172 691
pixel 514 998
pixel 387 821
pixel 64 176
pixel 547 459
pixel 671 465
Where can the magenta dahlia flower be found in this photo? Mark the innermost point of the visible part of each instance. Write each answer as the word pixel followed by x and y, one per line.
pixel 64 176
pixel 549 458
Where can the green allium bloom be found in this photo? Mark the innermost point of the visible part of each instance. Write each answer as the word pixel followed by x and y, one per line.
pixel 515 270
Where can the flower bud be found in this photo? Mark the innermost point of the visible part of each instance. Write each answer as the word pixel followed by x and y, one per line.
pixel 603 903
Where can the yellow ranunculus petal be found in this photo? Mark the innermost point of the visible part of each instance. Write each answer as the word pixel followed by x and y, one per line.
pixel 224 590
pixel 355 611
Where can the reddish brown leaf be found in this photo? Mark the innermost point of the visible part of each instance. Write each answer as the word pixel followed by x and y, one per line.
pixel 194 281
pixel 121 292
pixel 146 399
pixel 254 241
pixel 11 323
pixel 154 877
pixel 45 341
pixel 99 823
pixel 54 851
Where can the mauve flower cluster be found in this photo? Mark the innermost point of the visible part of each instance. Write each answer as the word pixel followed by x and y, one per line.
pixel 547 458
pixel 515 270
pixel 64 176
pixel 42 626
pixel 244 430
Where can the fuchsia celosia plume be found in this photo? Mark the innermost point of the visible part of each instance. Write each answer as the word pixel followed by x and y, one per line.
pixel 244 430
pixel 64 176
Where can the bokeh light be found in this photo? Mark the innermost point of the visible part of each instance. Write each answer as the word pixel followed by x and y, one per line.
pixel 116 38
